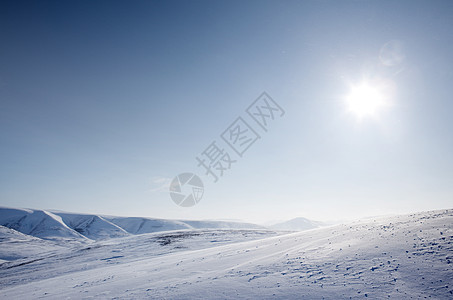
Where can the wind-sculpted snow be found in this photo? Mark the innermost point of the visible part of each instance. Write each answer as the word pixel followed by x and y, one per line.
pixel 96 255
pixel 15 245
pixel 402 257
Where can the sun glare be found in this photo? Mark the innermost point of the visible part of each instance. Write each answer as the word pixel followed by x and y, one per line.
pixel 365 100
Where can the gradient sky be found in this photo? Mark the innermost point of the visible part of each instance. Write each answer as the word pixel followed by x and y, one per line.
pixel 102 103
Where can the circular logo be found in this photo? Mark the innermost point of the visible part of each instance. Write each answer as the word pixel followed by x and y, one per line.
pixel 186 189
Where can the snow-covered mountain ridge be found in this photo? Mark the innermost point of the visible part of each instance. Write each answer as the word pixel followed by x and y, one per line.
pixel 57 225
pixel 297 224
pixel 398 257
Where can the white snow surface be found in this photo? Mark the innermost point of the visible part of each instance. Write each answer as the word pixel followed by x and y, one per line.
pixel 53 225
pixel 297 224
pixel 400 257
pixel 38 223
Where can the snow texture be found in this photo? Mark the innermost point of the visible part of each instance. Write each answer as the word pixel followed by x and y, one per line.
pixel 401 257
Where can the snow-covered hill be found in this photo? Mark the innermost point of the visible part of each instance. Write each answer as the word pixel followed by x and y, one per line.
pixel 53 225
pixel 297 224
pixel 37 223
pixel 93 226
pixel 134 225
pixel 15 245
pixel 402 257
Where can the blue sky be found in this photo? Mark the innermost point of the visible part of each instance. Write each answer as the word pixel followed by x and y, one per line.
pixel 104 102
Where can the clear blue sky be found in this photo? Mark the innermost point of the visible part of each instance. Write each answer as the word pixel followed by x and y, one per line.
pixel 103 102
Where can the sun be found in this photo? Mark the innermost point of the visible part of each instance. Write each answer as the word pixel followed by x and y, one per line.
pixel 365 100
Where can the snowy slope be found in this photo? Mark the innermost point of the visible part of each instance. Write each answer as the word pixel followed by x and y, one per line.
pixel 121 250
pixel 221 224
pixel 135 225
pixel 54 225
pixel 92 226
pixel 37 223
pixel 297 224
pixel 399 257
pixel 15 245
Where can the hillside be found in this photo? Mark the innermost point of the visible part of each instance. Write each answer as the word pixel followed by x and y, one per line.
pixel 54 225
pixel 400 257
pixel 297 224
